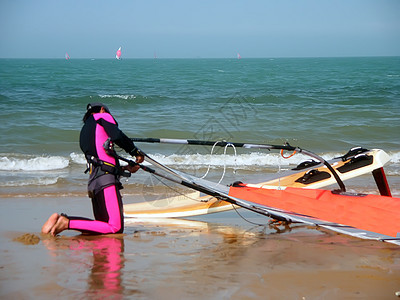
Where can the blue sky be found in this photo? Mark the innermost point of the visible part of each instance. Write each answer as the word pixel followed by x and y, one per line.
pixel 191 29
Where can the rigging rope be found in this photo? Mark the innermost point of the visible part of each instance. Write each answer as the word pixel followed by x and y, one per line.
pixel 178 192
pixel 286 157
pixel 246 219
pixel 223 174
pixel 224 171
pixel 209 165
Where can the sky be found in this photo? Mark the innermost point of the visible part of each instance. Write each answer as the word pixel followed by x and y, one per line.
pixel 199 29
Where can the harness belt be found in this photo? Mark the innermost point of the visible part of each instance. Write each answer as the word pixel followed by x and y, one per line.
pixel 107 167
pixel 102 175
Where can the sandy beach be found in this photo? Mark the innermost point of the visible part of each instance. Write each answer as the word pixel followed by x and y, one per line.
pixel 219 256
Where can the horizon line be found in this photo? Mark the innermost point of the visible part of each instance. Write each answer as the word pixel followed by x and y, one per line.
pixel 233 58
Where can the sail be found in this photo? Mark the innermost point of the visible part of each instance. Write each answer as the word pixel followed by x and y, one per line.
pixel 118 55
pixel 66 56
pixel 238 55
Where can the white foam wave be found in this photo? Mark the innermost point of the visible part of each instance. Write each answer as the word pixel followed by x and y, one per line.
pixel 217 160
pixel 255 159
pixel 252 160
pixel 41 163
pixel 78 158
pixel 390 172
pixel 40 181
pixel 394 157
pixel 124 97
pixel 241 160
pixel 19 162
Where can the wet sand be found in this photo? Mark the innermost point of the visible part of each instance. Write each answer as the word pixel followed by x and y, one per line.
pixel 218 256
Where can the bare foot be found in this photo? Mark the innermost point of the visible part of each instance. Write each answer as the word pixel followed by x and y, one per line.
pixel 61 225
pixel 50 223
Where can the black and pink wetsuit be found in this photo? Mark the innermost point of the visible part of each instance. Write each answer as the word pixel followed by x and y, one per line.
pixel 104 185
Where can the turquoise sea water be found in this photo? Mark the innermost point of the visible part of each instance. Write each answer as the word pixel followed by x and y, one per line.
pixel 325 105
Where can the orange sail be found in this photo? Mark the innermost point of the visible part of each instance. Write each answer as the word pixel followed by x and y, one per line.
pixel 374 213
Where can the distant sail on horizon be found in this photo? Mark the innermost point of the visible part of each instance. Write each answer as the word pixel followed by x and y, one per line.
pixel 118 55
pixel 238 56
pixel 66 56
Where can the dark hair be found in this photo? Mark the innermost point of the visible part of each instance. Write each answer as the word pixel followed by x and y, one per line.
pixel 94 108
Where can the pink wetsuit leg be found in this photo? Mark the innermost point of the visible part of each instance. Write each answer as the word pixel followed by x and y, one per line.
pixel 113 210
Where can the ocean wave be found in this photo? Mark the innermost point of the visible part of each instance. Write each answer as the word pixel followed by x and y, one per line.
pixel 390 172
pixel 35 163
pixel 77 158
pixel 218 160
pixel 394 157
pixel 256 159
pixel 18 170
pixel 19 162
pixel 124 97
pixel 39 181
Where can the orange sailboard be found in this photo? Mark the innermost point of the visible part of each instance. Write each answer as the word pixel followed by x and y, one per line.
pixel 300 198
pixel 311 177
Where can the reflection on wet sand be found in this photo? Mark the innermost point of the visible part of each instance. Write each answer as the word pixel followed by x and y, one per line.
pixel 177 259
pixel 295 261
pixel 108 259
pixel 101 257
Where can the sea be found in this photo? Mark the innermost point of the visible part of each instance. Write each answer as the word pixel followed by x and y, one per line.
pixel 324 105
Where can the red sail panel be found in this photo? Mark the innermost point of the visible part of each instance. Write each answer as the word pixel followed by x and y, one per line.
pixel 380 214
